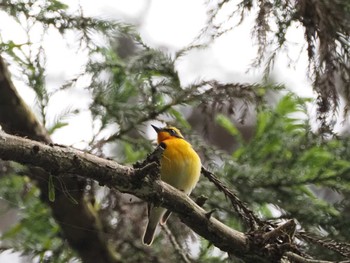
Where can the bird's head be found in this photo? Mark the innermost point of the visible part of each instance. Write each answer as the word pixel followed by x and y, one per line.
pixel 167 132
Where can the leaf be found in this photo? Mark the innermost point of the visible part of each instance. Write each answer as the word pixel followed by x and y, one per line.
pixel 179 118
pixel 288 104
pixel 132 152
pixel 66 192
pixel 262 123
pixel 51 189
pixel 228 125
pixel 12 232
pixel 316 157
pixel 57 126
pixel 55 5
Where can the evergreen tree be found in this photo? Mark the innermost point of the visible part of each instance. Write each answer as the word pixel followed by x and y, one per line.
pixel 279 188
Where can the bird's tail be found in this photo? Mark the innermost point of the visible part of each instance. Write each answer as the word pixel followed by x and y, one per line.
pixel 155 214
pixel 165 217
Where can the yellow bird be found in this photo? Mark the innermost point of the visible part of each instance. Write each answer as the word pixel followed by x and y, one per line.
pixel 180 166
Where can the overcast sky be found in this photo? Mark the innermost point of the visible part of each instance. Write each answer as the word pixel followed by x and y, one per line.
pixel 169 25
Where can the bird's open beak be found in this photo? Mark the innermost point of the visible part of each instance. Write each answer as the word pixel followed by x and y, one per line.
pixel 155 128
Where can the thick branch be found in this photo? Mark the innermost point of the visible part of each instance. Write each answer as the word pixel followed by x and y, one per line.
pixel 63 160
pixel 15 116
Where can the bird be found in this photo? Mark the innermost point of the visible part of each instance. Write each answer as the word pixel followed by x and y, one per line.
pixel 180 166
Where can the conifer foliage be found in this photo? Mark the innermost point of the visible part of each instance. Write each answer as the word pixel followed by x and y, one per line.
pixel 281 192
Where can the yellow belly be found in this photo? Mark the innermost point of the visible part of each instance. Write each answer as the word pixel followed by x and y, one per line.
pixel 180 165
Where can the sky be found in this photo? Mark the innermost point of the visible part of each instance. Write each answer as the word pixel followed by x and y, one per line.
pixel 168 25
pixel 165 24
pixel 173 24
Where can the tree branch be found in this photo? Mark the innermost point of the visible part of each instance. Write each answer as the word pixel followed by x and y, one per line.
pixel 15 116
pixel 242 210
pixel 58 160
pixel 143 183
pixel 286 230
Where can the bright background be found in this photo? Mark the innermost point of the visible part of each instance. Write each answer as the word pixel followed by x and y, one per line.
pixel 165 24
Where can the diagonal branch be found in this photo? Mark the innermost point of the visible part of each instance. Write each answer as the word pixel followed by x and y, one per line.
pixel 59 160
pixel 15 116
pixel 143 183
pixel 248 217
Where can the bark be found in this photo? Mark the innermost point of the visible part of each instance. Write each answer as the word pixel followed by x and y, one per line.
pixel 15 116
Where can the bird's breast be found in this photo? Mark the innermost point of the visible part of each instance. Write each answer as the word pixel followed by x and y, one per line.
pixel 180 165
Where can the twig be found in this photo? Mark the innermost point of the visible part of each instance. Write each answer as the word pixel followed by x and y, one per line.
pixel 179 250
pixel 299 259
pixel 152 157
pixel 341 248
pixel 286 230
pixel 248 216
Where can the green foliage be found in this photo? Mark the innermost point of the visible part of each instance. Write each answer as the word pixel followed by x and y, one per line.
pixel 61 120
pixel 226 123
pixel 285 165
pixel 133 93
pixel 325 22
pixel 279 172
pixel 206 254
pixel 35 233
pixel 133 152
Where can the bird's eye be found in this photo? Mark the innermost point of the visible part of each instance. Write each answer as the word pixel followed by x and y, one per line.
pixel 172 132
